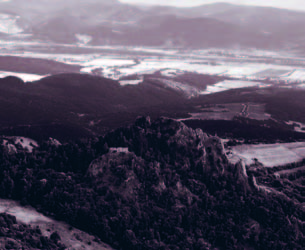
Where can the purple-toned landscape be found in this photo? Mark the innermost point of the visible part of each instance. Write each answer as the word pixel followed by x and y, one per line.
pixel 129 125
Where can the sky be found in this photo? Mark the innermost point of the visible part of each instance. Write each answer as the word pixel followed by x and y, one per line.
pixel 290 4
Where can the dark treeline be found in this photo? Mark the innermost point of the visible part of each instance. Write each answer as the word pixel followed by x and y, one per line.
pixel 282 103
pixel 248 129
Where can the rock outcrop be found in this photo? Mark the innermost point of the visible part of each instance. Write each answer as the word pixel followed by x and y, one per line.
pixel 170 145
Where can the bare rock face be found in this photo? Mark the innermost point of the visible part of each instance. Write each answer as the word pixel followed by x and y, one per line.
pixel 163 136
pixel 54 142
pixel 168 143
pixel 119 172
pixel 101 165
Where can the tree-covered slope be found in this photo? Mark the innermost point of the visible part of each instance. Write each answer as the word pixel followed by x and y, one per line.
pixel 171 187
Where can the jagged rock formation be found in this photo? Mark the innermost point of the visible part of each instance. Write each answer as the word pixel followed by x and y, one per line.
pixel 14 144
pixel 176 143
pixel 54 142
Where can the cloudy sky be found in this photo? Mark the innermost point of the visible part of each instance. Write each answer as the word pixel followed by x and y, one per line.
pixel 290 4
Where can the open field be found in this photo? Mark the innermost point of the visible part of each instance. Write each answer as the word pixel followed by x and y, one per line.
pixel 118 61
pixel 257 112
pixel 228 111
pixel 232 84
pixel 25 77
pixel 270 155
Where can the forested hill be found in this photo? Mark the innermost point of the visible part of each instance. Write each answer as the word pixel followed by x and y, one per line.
pixel 153 185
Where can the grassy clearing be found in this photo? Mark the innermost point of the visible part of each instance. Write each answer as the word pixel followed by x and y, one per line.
pixel 270 155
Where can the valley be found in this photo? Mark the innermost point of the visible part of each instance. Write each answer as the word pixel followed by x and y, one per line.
pixel 117 61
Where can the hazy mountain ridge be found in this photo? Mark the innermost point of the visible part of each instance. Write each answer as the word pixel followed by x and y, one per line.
pixel 194 33
pixel 256 17
pixel 35 66
pixel 123 24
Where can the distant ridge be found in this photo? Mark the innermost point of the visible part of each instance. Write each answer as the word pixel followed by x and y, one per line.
pixel 116 23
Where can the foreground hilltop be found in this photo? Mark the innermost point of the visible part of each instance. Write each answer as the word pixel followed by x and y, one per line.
pixel 154 185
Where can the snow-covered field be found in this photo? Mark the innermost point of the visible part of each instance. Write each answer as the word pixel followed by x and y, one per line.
pixel 130 82
pixel 119 62
pixel 243 71
pixel 231 84
pixel 116 68
pixel 24 76
pixel 154 50
pixel 270 155
pixel 297 75
pixel 167 64
pixel 172 67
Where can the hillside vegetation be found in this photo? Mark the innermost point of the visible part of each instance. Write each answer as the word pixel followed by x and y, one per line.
pixel 173 189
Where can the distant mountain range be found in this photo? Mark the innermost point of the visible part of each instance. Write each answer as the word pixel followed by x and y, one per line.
pixel 115 23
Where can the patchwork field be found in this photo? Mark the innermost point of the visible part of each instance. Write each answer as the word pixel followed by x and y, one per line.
pixel 270 155
pixel 116 62
pixel 230 110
